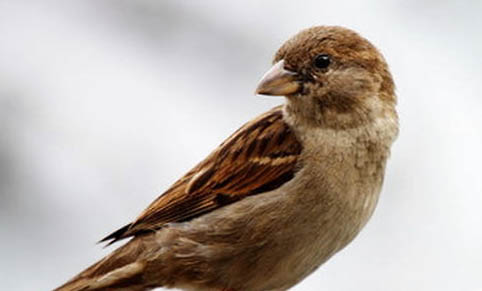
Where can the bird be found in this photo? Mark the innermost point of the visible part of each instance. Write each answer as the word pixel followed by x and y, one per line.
pixel 282 194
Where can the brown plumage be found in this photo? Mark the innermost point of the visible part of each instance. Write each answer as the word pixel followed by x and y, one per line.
pixel 259 157
pixel 280 196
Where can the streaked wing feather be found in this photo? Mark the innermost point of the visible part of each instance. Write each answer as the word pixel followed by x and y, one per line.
pixel 261 156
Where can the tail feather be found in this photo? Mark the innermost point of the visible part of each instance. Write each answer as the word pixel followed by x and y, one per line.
pixel 116 235
pixel 112 272
pixel 147 261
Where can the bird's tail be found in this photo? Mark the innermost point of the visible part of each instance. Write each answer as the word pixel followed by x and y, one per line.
pixel 121 270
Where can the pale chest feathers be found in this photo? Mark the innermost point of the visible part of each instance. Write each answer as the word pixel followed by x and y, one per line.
pixel 355 153
pixel 348 167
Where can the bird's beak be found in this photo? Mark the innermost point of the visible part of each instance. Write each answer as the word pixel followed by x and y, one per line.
pixel 278 81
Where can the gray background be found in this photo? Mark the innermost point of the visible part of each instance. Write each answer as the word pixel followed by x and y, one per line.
pixel 103 104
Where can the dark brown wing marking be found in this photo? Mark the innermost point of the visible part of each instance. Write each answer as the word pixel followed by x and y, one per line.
pixel 261 156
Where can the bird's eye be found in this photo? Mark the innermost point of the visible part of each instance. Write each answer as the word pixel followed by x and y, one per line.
pixel 322 61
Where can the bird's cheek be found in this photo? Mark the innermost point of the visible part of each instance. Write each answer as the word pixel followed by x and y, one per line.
pixel 352 83
pixel 317 88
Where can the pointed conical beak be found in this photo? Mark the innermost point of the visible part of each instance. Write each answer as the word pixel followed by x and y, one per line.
pixel 278 81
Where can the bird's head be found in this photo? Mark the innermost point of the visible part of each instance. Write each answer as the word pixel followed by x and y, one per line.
pixel 331 77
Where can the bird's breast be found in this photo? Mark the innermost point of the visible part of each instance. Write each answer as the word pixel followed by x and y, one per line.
pixel 340 184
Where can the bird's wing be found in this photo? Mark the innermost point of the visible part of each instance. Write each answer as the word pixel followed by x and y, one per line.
pixel 259 157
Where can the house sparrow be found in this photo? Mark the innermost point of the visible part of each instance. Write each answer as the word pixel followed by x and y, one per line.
pixel 282 194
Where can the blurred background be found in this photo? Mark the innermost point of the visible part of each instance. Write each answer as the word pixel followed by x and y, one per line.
pixel 104 103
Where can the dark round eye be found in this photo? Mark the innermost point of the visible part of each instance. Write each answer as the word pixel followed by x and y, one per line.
pixel 322 61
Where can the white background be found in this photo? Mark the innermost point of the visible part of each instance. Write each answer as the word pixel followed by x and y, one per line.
pixel 103 104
